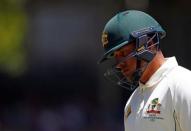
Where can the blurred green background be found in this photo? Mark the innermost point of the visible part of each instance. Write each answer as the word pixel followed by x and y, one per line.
pixel 13 25
pixel 49 77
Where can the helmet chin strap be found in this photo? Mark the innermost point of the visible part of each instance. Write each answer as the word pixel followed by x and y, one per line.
pixel 137 74
pixel 139 70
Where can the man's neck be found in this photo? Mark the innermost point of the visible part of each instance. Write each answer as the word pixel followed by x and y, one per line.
pixel 152 67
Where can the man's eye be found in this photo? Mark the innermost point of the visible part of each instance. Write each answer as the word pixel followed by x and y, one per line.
pixel 125 53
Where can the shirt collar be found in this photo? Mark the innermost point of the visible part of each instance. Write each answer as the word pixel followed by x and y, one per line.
pixel 169 64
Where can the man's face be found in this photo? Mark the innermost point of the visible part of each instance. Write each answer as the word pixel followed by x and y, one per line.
pixel 128 66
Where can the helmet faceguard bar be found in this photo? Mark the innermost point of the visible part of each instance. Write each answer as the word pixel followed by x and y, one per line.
pixel 143 49
pixel 115 76
pixel 143 31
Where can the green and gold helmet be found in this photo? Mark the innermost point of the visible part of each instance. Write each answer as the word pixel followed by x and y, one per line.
pixel 124 27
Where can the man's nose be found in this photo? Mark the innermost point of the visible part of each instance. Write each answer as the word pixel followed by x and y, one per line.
pixel 120 65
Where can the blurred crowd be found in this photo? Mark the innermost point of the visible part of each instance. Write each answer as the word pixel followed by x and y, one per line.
pixel 76 115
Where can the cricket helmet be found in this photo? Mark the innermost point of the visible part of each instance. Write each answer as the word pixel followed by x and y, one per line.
pixel 127 27
pixel 124 27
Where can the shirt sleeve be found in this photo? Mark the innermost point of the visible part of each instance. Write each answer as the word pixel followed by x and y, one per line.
pixel 182 100
pixel 127 109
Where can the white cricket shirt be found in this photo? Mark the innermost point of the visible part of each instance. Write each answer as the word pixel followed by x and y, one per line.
pixel 163 103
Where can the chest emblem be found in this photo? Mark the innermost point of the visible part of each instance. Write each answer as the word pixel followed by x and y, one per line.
pixel 153 110
pixel 154 107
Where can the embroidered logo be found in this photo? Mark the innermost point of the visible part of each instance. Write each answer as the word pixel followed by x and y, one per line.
pixel 154 107
pixel 153 110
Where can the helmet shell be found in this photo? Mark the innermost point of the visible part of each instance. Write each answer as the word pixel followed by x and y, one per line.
pixel 118 31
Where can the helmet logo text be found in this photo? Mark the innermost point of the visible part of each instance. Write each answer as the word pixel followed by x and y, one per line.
pixel 104 39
